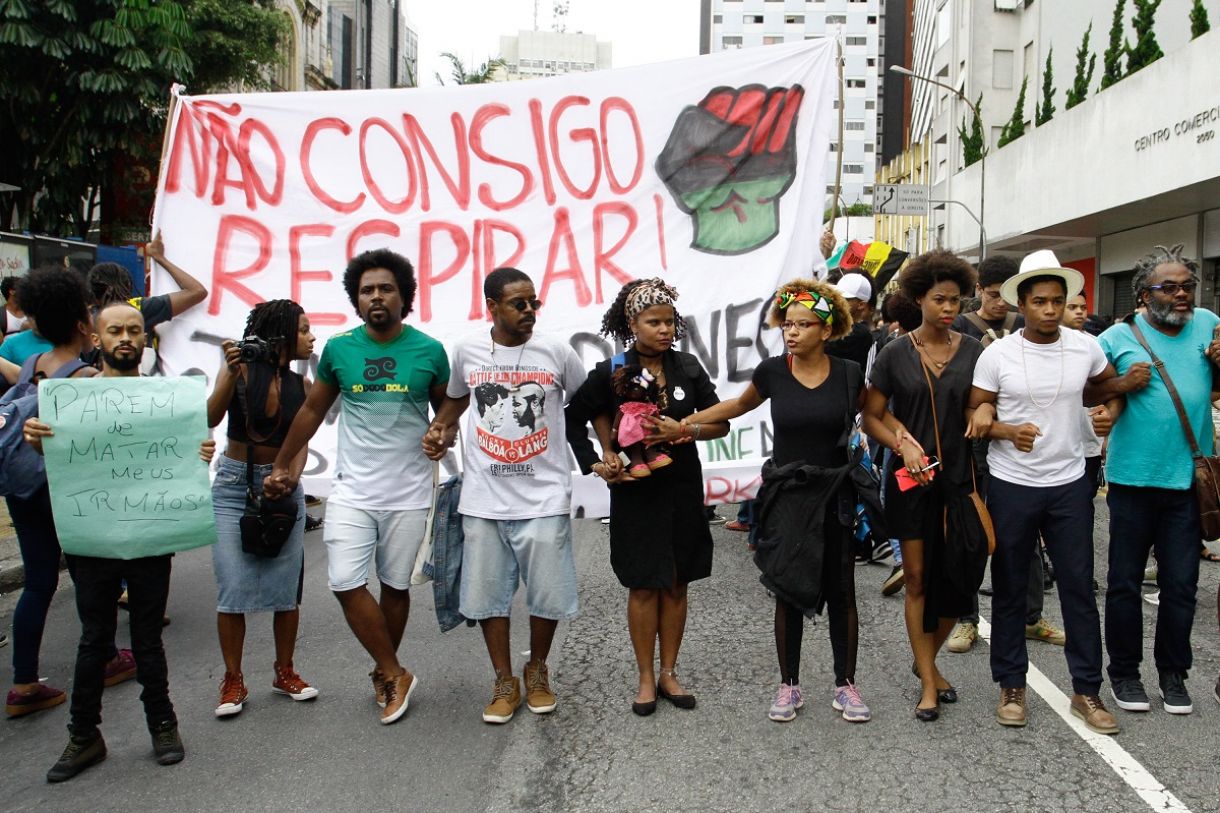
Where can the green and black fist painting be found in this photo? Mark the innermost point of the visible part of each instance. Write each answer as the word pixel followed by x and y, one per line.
pixel 729 160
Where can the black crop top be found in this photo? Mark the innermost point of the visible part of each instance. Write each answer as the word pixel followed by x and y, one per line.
pixel 269 431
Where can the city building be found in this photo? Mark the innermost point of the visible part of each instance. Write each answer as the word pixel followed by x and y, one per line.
pixel 347 44
pixel 1132 166
pixel 535 54
pixel 857 24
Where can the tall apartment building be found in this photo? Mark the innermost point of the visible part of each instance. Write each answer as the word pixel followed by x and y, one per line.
pixel 534 54
pixel 371 44
pixel 727 24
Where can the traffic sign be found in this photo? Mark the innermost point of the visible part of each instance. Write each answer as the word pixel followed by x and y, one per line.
pixel 908 200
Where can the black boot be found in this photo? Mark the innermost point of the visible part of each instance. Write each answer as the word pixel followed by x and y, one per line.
pixel 167 745
pixel 81 753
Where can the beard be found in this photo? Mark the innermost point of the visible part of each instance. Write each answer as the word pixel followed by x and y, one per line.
pixel 123 364
pixel 1164 313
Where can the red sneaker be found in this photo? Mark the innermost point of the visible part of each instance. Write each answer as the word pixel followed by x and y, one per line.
pixel 233 695
pixel 120 668
pixel 289 682
pixel 42 697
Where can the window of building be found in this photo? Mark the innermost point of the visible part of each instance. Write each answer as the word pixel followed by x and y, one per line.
pixel 836 19
pixel 856 83
pixel 1001 69
pixel 869 104
pixel 853 169
pixel 772 40
pixel 754 18
pixel 868 147
pixel 1029 59
pixel 872 19
pixel 834 147
pixel 853 125
pixel 872 63
pixel 868 190
pixel 857 40
pixel 731 42
pixel 830 189
pixel 718 18
pixel 794 19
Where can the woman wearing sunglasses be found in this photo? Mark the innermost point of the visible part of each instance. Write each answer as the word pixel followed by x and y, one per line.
pixel 807 500
pixel 659 538
pixel 931 361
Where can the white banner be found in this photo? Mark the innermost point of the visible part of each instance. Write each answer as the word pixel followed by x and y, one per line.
pixel 706 172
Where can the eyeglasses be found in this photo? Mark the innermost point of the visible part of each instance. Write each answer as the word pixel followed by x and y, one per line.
pixel 1172 288
pixel 522 304
pixel 800 326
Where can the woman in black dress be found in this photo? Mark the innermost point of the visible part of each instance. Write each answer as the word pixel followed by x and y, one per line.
pixel 936 595
pixel 659 538
pixel 814 401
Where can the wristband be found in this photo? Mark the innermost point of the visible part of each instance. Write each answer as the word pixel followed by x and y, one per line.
pixel 698 430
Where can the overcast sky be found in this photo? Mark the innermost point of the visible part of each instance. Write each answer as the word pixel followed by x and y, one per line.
pixel 642 31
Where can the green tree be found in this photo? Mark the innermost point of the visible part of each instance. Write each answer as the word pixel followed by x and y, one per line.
pixel 85 84
pixel 1146 50
pixel 460 76
pixel 234 43
pixel 1079 90
pixel 1199 24
pixel 1015 127
pixel 1112 59
pixel 973 145
pixel 1046 110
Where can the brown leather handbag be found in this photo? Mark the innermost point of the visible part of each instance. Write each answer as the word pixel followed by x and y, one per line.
pixel 1207 469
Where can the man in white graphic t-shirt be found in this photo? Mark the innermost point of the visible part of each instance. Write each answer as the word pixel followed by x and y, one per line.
pixel 516 483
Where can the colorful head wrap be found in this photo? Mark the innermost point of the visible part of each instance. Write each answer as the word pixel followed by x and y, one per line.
pixel 647 293
pixel 817 304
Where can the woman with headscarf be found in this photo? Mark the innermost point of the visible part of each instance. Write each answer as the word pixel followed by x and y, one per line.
pixel 659 537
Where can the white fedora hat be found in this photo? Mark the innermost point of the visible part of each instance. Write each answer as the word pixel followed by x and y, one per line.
pixel 1042 263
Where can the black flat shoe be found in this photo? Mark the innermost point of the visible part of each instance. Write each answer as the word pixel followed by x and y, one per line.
pixel 927 715
pixel 681 701
pixel 644 709
pixel 948 695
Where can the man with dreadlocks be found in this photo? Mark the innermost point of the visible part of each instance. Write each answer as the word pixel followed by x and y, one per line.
pixel 659 539
pixel 1150 471
pixel 261 396
pixel 517 484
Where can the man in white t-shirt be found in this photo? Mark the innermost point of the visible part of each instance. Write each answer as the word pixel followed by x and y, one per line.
pixel 516 483
pixel 1027 396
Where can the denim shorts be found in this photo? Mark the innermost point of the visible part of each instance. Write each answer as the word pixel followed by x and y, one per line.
pixel 246 583
pixel 497 552
pixel 357 539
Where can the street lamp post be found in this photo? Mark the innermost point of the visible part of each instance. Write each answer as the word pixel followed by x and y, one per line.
pixel 907 72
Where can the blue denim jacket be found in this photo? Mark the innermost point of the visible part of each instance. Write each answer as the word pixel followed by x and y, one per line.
pixel 445 569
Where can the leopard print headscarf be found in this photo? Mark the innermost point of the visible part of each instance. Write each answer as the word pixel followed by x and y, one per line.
pixel 648 293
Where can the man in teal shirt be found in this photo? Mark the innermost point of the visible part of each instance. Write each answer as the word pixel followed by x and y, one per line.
pixel 1150 471
pixel 20 346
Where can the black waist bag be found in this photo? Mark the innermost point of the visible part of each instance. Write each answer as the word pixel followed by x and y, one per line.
pixel 267 524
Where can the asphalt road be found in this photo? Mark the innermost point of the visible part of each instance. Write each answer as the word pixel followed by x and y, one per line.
pixel 592 754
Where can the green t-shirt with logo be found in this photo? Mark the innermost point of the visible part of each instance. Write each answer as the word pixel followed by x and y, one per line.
pixel 383 416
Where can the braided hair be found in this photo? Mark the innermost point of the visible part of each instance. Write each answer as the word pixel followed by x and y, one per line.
pixel 109 282
pixel 615 323
pixel 276 322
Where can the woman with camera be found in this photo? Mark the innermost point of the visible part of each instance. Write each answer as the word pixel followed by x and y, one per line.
pixel 260 395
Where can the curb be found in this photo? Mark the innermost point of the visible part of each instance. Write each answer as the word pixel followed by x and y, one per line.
pixel 12 579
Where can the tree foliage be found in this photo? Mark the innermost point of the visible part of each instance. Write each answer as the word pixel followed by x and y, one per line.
pixel 1046 110
pixel 973 145
pixel 1146 50
pixel 1199 24
pixel 1014 128
pixel 1112 59
pixel 85 82
pixel 460 76
pixel 1085 63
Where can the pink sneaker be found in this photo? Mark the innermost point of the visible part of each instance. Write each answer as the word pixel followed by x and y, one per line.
pixel 120 668
pixel 43 697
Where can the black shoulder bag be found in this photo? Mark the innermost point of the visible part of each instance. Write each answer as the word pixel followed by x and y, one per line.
pixel 266 524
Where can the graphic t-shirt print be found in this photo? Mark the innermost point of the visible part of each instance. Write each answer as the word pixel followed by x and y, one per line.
pixel 510 408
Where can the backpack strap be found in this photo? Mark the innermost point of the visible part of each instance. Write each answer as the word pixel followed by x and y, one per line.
pixel 976 320
pixel 1010 322
pixel 618 360
pixel 69 368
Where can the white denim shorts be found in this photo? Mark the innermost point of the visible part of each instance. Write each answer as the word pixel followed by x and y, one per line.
pixel 357 539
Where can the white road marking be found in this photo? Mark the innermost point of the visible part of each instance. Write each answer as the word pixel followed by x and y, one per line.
pixel 1157 796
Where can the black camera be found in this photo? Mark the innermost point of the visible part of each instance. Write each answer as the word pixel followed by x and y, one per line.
pixel 257 349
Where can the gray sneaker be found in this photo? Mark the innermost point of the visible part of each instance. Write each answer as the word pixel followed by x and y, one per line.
pixel 1129 694
pixel 1174 694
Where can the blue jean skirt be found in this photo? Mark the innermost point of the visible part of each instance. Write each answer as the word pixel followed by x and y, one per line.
pixel 245 583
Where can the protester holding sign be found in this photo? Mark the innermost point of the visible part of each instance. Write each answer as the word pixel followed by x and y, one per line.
pixel 261 396
pixel 659 539
pixel 56 298
pixel 119 335
pixel 806 493
pixel 517 488
pixel 924 380
pixel 386 372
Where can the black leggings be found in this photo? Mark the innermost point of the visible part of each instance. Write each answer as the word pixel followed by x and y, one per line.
pixel 839 593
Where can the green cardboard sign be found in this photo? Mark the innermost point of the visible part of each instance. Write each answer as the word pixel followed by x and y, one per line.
pixel 124 469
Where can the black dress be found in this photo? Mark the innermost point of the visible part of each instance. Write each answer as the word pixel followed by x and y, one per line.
pixel 658 530
pixel 919 513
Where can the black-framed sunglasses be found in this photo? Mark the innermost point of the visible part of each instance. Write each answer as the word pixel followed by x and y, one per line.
pixel 521 304
pixel 1172 288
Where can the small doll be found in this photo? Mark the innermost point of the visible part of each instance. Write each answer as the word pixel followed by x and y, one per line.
pixel 638 389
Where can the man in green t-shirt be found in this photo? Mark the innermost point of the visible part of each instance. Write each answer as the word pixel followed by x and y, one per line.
pixel 387 373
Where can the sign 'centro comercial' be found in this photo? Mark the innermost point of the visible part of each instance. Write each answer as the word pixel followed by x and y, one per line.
pixel 1193 126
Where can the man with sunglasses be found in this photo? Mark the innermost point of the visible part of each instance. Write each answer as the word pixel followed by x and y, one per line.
pixel 1150 471
pixel 516 485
